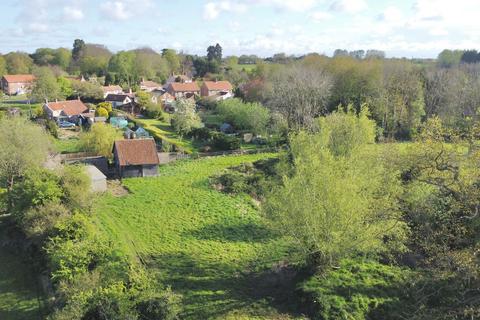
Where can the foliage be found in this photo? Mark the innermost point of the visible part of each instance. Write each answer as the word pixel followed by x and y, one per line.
pixel 155 111
pixel 66 87
pixel 101 112
pixel 76 186
pixel 99 139
pixel 185 118
pixel 87 90
pixel 23 146
pixel 18 63
pixel 244 116
pixel 338 198
pixel 222 141
pixel 51 127
pixel 143 98
pixel 356 290
pixel 46 86
pixel 105 105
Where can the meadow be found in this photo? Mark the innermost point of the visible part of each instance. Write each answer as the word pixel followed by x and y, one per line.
pixel 212 248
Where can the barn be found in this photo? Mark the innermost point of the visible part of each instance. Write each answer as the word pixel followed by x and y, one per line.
pixel 135 158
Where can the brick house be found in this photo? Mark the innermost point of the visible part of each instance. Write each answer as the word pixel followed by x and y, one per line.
pixel 149 86
pixel 69 110
pixel 111 90
pixel 183 90
pixel 220 90
pixel 17 83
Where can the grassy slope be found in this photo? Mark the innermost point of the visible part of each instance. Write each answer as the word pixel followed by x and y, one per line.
pixel 209 246
pixel 162 130
pixel 18 286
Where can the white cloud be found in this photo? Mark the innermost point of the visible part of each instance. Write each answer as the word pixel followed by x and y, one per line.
pixel 213 9
pixel 321 16
pixel 348 6
pixel 116 10
pixel 72 13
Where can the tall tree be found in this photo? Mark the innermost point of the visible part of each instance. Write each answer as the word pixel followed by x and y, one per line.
pixel 78 50
pixel 45 86
pixel 18 63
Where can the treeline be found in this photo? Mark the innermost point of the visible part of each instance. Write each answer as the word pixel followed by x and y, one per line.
pixel 400 93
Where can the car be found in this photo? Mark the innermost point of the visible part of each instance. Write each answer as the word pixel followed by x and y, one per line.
pixel 66 124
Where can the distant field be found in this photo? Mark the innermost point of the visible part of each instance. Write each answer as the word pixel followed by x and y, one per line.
pixel 19 294
pixel 246 67
pixel 210 247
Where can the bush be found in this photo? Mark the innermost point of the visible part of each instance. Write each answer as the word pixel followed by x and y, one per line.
pixel 222 141
pixel 51 127
pixel 355 290
pixel 201 134
pixel 244 116
pixel 163 306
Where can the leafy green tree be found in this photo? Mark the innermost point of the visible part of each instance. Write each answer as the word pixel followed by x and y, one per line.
pixel 336 203
pixel 87 90
pixel 46 86
pixel 143 98
pixel 76 187
pixel 101 112
pixel 122 64
pixel 105 105
pixel 214 53
pixel 185 117
pixel 3 66
pixel 449 58
pixel 244 116
pixel 78 50
pixel 18 63
pixel 66 87
pixel 172 59
pixel 155 110
pixel 62 58
pixel 39 221
pixel 23 146
pixel 99 139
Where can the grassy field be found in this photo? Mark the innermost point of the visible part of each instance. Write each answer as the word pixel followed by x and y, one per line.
pixel 214 249
pixel 19 292
pixel 246 67
pixel 71 145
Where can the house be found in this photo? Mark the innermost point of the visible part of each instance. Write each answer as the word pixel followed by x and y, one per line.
pixel 183 90
pixel 178 78
pixel 97 178
pixel 69 110
pixel 162 96
pixel 118 100
pixel 219 90
pixel 149 86
pixel 12 84
pixel 135 158
pixel 111 90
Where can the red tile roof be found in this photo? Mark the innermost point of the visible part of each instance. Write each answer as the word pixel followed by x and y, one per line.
pixel 150 84
pixel 184 87
pixel 111 89
pixel 218 85
pixel 19 78
pixel 69 107
pixel 136 152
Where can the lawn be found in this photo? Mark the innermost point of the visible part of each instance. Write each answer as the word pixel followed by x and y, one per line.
pixel 212 248
pixel 246 67
pixel 19 292
pixel 162 130
pixel 71 145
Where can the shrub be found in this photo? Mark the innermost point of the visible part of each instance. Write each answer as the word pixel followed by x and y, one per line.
pixel 101 112
pixel 244 116
pixel 222 141
pixel 51 127
pixel 201 134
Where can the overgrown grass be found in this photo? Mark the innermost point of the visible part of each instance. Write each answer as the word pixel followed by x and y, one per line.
pixel 20 297
pixel 208 246
pixel 71 145
pixel 161 130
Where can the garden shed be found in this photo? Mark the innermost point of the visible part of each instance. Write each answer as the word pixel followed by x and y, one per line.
pixel 141 133
pixel 135 158
pixel 97 178
pixel 118 122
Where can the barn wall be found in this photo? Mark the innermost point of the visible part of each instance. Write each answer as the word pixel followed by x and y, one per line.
pixel 150 170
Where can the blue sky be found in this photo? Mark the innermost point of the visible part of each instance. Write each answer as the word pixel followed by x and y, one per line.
pixel 407 28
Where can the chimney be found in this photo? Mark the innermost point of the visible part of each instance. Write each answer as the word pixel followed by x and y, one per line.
pixel 56 100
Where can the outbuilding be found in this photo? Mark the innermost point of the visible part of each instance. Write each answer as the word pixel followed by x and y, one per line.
pixel 135 158
pixel 97 178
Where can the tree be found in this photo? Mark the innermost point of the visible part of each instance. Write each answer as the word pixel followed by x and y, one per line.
pixel 23 146
pixel 87 90
pixel 3 66
pixel 18 63
pixel 78 50
pixel 46 86
pixel 99 139
pixel 101 112
pixel 76 187
pixel 244 116
pixel 470 56
pixel 105 105
pixel 375 54
pixel 300 94
pixel 214 53
pixel 66 87
pixel 143 98
pixel 338 200
pixel 62 58
pixel 185 117
pixel 172 59
pixel 449 58
pixel 122 64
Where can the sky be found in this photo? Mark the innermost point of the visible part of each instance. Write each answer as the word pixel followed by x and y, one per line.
pixel 406 28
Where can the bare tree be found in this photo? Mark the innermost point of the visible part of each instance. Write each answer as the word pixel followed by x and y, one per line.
pixel 300 94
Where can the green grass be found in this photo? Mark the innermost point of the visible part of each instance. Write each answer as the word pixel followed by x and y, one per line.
pixel 162 130
pixel 210 247
pixel 71 145
pixel 19 291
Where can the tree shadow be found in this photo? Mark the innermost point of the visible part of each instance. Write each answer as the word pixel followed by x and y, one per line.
pixel 213 289
pixel 240 231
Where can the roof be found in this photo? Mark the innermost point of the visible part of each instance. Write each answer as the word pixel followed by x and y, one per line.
pixel 218 85
pixel 19 78
pixel 116 97
pixel 184 87
pixel 111 88
pixel 94 173
pixel 150 84
pixel 136 152
pixel 69 107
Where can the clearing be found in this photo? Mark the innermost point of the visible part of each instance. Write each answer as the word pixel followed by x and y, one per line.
pixel 214 249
